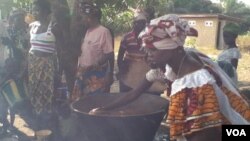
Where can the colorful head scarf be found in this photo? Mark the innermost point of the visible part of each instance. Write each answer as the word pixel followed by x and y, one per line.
pixel 166 32
pixel 90 9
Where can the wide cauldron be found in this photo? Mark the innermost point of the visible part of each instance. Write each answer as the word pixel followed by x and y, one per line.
pixel 137 121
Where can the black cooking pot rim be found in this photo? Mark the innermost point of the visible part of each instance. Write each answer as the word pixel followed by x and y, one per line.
pixel 119 116
pixel 160 109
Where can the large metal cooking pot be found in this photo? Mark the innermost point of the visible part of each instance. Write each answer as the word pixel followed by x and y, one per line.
pixel 136 121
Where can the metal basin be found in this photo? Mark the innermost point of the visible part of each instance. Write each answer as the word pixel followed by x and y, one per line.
pixel 137 121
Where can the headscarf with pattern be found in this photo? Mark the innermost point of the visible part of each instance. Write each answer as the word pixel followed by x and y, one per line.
pixel 166 32
pixel 90 9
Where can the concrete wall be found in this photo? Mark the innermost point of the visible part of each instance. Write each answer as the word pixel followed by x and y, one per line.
pixel 221 40
pixel 207 31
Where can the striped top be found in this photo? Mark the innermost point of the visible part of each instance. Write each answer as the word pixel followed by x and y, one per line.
pixel 132 44
pixel 43 42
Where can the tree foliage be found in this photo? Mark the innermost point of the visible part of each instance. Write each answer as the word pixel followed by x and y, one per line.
pixel 6 6
pixel 192 6
pixel 240 10
pixel 117 14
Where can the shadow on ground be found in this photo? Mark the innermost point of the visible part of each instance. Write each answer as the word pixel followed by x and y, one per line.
pixel 14 135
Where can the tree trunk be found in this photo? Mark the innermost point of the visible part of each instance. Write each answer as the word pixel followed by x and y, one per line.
pixel 67 54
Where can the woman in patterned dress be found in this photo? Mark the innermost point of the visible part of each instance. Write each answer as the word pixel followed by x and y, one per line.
pixel 131 59
pixel 96 62
pixel 43 65
pixel 200 97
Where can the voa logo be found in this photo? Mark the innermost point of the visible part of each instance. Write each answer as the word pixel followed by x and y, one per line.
pixel 236 132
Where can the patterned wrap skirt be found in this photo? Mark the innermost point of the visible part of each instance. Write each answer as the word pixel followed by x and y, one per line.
pixel 89 81
pixel 42 72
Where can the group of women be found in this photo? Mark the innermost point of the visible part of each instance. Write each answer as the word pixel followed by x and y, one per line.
pixel 202 97
pixel 31 72
pixel 49 55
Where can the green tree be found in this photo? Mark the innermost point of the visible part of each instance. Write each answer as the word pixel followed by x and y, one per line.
pixel 25 4
pixel 233 7
pixel 192 6
pixel 117 14
pixel 240 10
pixel 6 6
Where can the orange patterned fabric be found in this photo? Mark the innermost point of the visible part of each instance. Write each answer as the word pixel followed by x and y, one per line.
pixel 239 105
pixel 194 109
pixel 89 81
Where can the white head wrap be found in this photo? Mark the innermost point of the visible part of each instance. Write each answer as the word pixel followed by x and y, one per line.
pixel 167 32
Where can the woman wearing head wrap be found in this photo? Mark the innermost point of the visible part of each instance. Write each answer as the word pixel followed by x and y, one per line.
pixel 131 59
pixel 96 62
pixel 228 59
pixel 130 55
pixel 201 99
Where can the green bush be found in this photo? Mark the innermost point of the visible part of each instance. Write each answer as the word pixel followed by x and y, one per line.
pixel 119 22
pixel 190 42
